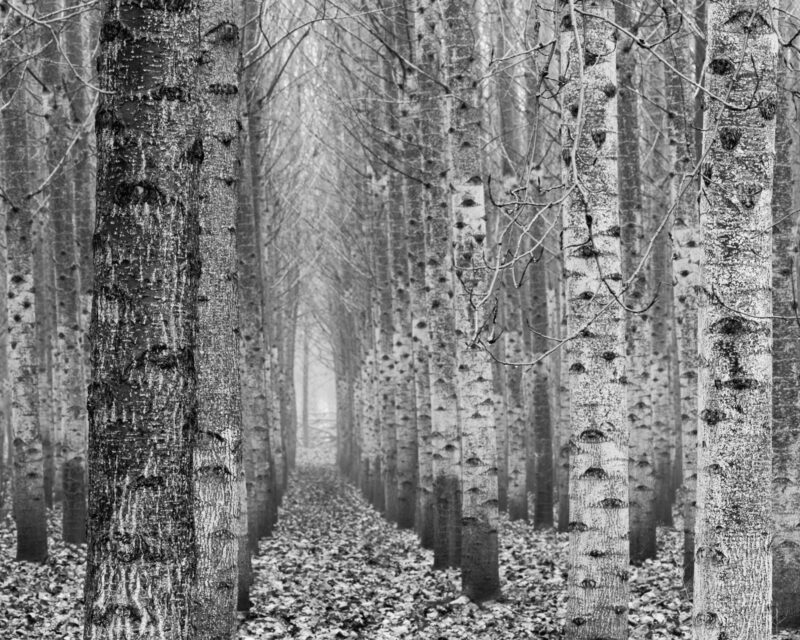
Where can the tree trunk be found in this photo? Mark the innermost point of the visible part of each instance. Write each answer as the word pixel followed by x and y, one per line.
pixel 418 206
pixel 542 428
pixel 686 249
pixel 734 460
pixel 142 398
pixel 445 441
pixel 638 329
pixel 257 418
pixel 597 586
pixel 217 455
pixel 70 379
pixel 785 371
pixel 304 391
pixel 403 358
pixel 479 555
pixel 29 494
pixel 262 497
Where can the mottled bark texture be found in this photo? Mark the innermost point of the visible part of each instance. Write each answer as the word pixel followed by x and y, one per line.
pixel 6 438
pixel 445 442
pixel 217 457
pixel 29 495
pixel 733 559
pixel 686 251
pixel 142 397
pixel 638 325
pixel 473 312
pixel 403 196
pixel 785 372
pixel 597 585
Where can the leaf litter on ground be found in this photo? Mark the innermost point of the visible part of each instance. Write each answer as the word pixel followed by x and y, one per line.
pixel 335 569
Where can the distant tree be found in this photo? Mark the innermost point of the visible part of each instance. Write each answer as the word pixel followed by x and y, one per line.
pixel 29 490
pixel 686 249
pixel 638 328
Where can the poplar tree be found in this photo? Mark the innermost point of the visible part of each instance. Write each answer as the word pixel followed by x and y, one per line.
pixel 733 559
pixel 598 458
pixel 143 392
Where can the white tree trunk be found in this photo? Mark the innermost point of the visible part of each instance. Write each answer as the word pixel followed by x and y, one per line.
pixel 598 488
pixel 733 559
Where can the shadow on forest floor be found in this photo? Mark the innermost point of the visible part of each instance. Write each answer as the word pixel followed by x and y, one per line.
pixel 335 569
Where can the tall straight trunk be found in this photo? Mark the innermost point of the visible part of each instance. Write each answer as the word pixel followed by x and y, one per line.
pixel 217 458
pixel 543 426
pixel 597 586
pixel 403 357
pixel 246 530
pixel 371 449
pixel 564 417
pixel 286 353
pixel 6 438
pixel 304 390
pixel 272 318
pixel 71 375
pixel 479 552
pixel 262 498
pixel 378 462
pixel 418 204
pixel 385 342
pixel 46 323
pixel 686 250
pixel 733 585
pixel 272 307
pixel 29 493
pixel 516 443
pixel 445 439
pixel 81 38
pixel 663 354
pixel 273 328
pixel 257 418
pixel 511 422
pixel 6 444
pixel 657 206
pixel 376 467
pixel 785 372
pixel 638 329
pixel 142 398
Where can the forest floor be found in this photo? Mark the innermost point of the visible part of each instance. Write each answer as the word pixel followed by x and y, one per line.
pixel 335 569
